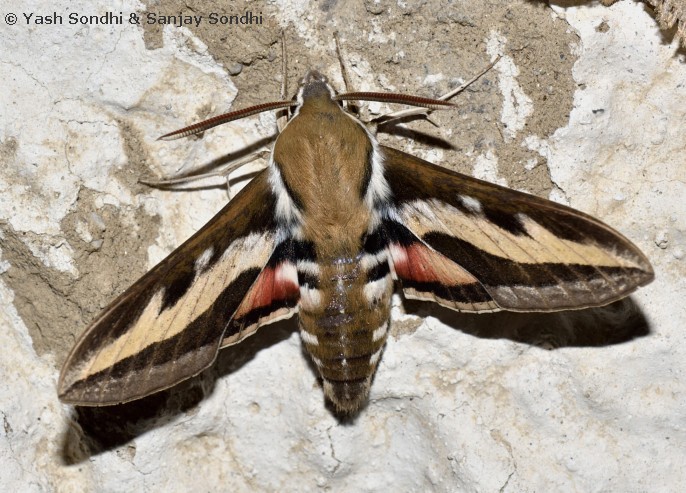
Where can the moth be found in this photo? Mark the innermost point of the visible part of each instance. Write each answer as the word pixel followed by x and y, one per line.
pixel 324 232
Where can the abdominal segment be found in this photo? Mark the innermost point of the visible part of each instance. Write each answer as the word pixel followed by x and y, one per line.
pixel 344 317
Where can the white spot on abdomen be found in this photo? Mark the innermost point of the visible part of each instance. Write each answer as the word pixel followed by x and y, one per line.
pixel 310 298
pixel 369 261
pixel 374 358
pixel 309 267
pixel 380 333
pixel 310 339
pixel 375 290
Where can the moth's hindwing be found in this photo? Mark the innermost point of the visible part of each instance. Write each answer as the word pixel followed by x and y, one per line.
pixel 475 246
pixel 170 324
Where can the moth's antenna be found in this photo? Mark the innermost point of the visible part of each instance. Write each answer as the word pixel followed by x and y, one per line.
pixel 200 127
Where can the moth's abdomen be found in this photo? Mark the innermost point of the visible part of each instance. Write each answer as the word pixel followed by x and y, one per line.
pixel 344 317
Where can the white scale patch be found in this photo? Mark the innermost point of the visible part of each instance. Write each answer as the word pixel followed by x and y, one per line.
pixel 426 209
pixel 328 387
pixel 295 231
pixel 202 261
pixel 374 358
pixel 471 204
pixel 398 253
pixel 374 290
pixel 380 333
pixel 309 267
pixel 286 273
pixel 369 261
pixel 375 218
pixel 310 298
pixel 310 339
pixel 286 209
pixel 378 190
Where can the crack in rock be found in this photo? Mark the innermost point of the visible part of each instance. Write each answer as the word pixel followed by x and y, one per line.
pixel 333 452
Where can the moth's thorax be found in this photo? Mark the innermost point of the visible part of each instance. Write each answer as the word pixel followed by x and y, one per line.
pixel 324 158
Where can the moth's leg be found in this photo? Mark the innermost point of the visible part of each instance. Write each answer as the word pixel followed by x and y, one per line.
pixel 350 105
pixel 263 155
pixel 225 170
pixel 397 115
pixel 282 115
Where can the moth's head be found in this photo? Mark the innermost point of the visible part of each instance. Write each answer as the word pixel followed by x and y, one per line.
pixel 315 86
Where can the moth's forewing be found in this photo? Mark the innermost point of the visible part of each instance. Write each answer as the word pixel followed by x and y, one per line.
pixel 490 246
pixel 170 324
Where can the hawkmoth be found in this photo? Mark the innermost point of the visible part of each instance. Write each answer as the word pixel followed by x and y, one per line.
pixel 325 231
